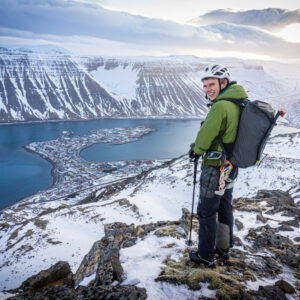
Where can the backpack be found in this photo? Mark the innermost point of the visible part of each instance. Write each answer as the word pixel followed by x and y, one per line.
pixel 256 123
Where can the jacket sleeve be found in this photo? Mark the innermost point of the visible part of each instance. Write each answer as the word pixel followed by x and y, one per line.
pixel 210 128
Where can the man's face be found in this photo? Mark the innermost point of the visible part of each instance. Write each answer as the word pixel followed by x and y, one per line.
pixel 211 88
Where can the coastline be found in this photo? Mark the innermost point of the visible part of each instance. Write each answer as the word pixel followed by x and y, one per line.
pixel 104 118
pixel 56 176
pixel 92 144
pixel 53 175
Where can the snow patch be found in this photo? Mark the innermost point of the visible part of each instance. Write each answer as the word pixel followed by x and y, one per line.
pixel 142 263
pixel 120 82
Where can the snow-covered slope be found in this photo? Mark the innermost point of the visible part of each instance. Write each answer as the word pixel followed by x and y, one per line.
pixel 49 84
pixel 151 86
pixel 36 235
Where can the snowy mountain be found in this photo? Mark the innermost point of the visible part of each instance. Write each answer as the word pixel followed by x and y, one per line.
pixel 50 84
pixel 129 237
pixel 38 86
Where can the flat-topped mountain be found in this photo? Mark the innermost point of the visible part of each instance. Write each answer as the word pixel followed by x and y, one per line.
pixel 40 85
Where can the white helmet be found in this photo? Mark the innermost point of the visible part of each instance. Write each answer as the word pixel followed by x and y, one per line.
pixel 215 71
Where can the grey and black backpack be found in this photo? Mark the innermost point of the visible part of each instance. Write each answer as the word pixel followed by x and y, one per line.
pixel 256 123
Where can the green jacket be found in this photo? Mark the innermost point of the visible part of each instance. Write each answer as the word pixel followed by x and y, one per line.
pixel 222 118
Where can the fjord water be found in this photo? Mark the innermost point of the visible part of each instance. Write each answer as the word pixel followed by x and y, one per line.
pixel 23 174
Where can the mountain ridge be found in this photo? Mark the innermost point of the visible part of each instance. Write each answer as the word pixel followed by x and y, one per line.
pixel 49 86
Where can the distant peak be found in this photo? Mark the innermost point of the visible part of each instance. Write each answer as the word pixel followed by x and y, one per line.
pixel 42 49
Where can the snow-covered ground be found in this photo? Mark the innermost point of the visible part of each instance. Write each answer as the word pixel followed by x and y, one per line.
pixel 34 236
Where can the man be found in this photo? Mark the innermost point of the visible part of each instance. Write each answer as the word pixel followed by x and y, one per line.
pixel 220 126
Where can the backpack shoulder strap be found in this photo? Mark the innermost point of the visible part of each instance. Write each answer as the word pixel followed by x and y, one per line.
pixel 241 103
pixel 222 146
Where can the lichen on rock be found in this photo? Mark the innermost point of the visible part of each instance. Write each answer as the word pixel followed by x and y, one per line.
pixel 172 230
pixel 224 278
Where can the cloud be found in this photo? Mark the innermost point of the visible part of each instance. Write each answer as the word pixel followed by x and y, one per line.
pixel 83 25
pixel 247 39
pixel 272 19
pixel 74 18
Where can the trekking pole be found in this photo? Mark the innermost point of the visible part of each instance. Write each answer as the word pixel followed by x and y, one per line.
pixel 189 241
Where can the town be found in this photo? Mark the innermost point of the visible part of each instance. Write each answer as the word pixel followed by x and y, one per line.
pixel 74 174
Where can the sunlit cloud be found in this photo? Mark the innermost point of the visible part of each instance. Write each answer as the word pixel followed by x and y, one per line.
pixel 291 33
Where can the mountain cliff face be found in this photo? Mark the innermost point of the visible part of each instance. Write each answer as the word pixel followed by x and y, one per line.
pixel 50 87
pixel 58 86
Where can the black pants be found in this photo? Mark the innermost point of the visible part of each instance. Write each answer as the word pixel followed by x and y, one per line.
pixel 211 232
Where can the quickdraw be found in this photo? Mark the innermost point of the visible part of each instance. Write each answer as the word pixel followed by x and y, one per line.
pixel 225 170
pixel 222 180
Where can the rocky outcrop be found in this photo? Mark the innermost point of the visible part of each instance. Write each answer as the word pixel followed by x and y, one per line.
pixel 276 291
pixel 270 238
pixel 104 292
pixel 58 274
pixel 228 278
pixel 267 238
pixel 103 256
pixel 103 259
pixel 267 254
pixel 264 253
pixel 222 278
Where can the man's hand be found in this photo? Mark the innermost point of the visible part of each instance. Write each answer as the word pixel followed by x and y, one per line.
pixel 192 155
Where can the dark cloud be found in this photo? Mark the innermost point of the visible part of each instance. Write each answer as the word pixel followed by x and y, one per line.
pixel 271 19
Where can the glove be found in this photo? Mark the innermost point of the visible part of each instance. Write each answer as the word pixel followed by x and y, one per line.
pixel 192 155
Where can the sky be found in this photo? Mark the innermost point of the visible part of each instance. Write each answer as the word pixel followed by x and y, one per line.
pixel 181 11
pixel 188 9
pixel 262 29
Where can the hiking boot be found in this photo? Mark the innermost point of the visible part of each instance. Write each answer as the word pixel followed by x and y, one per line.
pixel 196 258
pixel 223 253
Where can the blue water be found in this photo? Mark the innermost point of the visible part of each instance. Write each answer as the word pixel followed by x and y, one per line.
pixel 23 174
